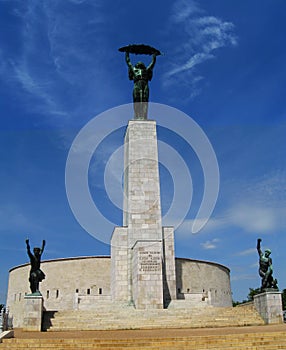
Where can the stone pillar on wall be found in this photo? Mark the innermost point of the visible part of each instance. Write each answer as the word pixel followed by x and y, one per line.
pixel 119 263
pixel 169 266
pixel 148 248
pixel 269 306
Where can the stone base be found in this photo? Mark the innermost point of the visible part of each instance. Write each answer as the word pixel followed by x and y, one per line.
pixel 269 306
pixel 147 278
pixel 6 335
pixel 33 313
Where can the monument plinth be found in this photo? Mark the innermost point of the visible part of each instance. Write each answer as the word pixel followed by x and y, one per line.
pixel 269 306
pixel 33 312
pixel 143 268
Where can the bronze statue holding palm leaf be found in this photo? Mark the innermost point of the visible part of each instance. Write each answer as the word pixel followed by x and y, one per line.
pixel 141 75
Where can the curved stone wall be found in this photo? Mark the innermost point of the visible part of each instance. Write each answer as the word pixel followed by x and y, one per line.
pixel 71 282
pixel 211 280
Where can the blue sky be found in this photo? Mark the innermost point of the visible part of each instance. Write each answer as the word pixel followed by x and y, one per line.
pixel 223 65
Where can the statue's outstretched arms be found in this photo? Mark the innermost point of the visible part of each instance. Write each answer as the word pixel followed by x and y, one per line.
pixel 28 249
pixel 152 64
pixel 43 246
pixel 127 59
pixel 258 247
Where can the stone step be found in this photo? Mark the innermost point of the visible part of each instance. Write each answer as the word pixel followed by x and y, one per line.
pixel 148 319
pixel 261 340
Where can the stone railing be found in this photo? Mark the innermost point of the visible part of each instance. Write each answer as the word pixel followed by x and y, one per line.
pixel 5 321
pixel 91 302
pixel 196 297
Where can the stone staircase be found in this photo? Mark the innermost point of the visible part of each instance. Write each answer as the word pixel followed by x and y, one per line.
pixel 254 341
pixel 128 318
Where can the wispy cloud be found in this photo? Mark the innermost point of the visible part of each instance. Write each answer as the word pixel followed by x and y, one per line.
pixel 38 89
pixel 249 251
pixel 256 219
pixel 244 277
pixel 212 225
pixel 259 209
pixel 201 35
pixel 15 219
pixel 254 265
pixel 260 206
pixel 193 61
pixel 211 244
pixel 184 9
pixel 55 48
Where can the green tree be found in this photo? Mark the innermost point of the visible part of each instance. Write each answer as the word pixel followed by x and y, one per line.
pixel 284 299
pixel 252 293
pixel 250 296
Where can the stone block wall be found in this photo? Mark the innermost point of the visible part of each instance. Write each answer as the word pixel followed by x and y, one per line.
pixel 64 278
pixel 33 313
pixel 119 265
pixel 269 306
pixel 168 266
pixel 141 183
pixel 147 281
pixel 196 276
pixel 90 276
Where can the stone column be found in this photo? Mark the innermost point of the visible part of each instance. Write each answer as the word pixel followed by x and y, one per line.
pixel 33 313
pixel 142 214
pixel 142 205
pixel 269 306
pixel 142 250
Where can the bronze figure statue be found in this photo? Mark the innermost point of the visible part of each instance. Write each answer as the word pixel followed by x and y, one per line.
pixel 265 268
pixel 140 74
pixel 36 274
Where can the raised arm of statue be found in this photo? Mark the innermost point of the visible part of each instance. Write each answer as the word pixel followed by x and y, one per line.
pixel 259 247
pixel 128 61
pixel 152 64
pixel 43 246
pixel 29 249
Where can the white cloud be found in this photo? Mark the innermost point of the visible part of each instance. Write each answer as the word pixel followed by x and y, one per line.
pixel 243 277
pixel 193 61
pixel 213 224
pixel 211 244
pixel 57 58
pixel 254 218
pixel 258 208
pixel 201 36
pixel 13 218
pixel 271 186
pixel 249 251
pixel 77 1
pixel 37 89
pixel 183 9
pixel 255 265
pixel 3 65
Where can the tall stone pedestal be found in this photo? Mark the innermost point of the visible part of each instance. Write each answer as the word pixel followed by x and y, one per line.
pixel 269 306
pixel 147 278
pixel 142 252
pixel 33 313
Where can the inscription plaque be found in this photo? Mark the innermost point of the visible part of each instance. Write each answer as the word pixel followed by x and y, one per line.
pixel 149 261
